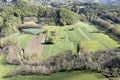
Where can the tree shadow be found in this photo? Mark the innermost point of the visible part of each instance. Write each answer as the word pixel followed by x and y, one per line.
pixel 47 43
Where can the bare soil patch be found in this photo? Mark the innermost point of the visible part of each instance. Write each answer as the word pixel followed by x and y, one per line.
pixel 35 44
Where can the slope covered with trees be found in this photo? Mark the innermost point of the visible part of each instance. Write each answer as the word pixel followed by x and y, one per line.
pixel 107 16
pixel 13 15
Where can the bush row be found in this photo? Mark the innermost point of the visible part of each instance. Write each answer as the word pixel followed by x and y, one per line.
pixel 106 62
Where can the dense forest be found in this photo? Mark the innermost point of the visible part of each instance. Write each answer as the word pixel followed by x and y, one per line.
pixel 12 15
pixel 105 15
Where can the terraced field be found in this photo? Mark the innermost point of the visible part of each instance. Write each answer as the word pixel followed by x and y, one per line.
pixel 89 37
pixel 21 39
pixel 62 43
pixel 68 36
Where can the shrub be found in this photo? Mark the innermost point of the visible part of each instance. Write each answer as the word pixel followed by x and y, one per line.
pixel 1 43
pixel 50 40
pixel 13 55
pixel 111 68
pixel 106 61
pixel 67 17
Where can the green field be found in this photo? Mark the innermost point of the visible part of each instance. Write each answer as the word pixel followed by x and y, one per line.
pixel 75 75
pixel 62 43
pixel 68 36
pixel 13 36
pixel 5 68
pixel 89 39
pixel 21 39
pixel 32 30
pixel 66 39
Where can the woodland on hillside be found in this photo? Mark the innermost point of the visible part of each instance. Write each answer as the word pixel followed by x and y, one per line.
pixel 69 27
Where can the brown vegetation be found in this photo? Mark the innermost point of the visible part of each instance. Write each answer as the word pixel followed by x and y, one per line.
pixel 13 56
pixel 106 62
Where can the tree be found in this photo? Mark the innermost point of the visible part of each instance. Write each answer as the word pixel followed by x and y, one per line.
pixel 50 40
pixel 10 25
pixel 67 17
pixel 1 21
pixel 1 43
pixel 78 48
pixel 116 29
pixel 111 67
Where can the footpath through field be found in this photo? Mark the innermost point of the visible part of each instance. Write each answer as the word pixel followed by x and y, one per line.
pixel 35 44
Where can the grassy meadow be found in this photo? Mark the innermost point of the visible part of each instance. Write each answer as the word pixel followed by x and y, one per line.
pixel 5 68
pixel 21 39
pixel 75 75
pixel 88 36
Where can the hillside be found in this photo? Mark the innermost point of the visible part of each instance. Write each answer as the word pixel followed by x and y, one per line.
pixel 65 40
pixel 50 1
pixel 101 1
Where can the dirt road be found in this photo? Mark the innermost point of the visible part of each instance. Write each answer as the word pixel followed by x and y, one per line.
pixel 35 44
